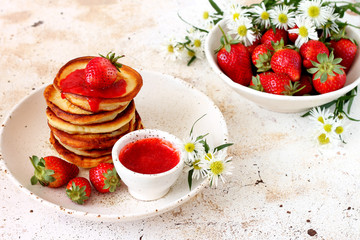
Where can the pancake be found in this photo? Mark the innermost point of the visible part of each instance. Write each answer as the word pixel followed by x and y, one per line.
pixel 78 119
pixel 123 118
pixel 92 141
pixel 80 161
pixel 52 95
pixel 132 78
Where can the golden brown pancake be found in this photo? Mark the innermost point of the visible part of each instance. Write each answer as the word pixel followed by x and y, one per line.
pixel 78 119
pixel 92 141
pixel 123 118
pixel 80 161
pixel 133 80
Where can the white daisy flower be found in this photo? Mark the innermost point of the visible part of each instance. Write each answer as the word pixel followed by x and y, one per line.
pixel 306 30
pixel 314 10
pixel 198 168
pixel 262 16
pixel 282 17
pixel 171 49
pixel 197 43
pixel 331 25
pixel 241 28
pixel 191 148
pixel 207 22
pixel 319 115
pixel 233 10
pixel 218 166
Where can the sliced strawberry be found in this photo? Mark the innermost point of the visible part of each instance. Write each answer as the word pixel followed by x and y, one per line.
pixel 78 190
pixel 52 171
pixel 104 177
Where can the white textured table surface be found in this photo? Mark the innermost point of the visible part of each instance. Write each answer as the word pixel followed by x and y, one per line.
pixel 281 187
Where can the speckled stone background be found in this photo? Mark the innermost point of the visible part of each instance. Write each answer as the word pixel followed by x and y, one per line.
pixel 282 186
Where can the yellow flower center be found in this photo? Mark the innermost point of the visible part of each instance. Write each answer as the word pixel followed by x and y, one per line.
pixel 191 54
pixel 314 11
pixel 264 15
pixel 323 139
pixel 217 167
pixel 170 48
pixel 283 18
pixel 327 127
pixel 339 130
pixel 236 16
pixel 196 165
pixel 303 31
pixel 190 147
pixel 321 119
pixel 197 43
pixel 242 30
pixel 205 15
pixel 208 156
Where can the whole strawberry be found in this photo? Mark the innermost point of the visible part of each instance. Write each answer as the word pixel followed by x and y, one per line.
pixel 253 46
pixel 256 84
pixel 261 57
pixel 52 171
pixel 278 83
pixel 101 72
pixel 310 50
pixel 346 50
pixel 287 61
pixel 305 85
pixel 328 75
pixel 234 60
pixel 271 36
pixel 104 177
pixel 293 36
pixel 78 190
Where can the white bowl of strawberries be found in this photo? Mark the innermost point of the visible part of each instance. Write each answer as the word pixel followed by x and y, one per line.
pixel 258 79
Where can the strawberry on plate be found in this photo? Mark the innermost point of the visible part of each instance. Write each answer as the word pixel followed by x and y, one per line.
pixel 52 171
pixel 101 72
pixel 310 50
pixel 78 190
pixel 328 75
pixel 104 177
pixel 234 60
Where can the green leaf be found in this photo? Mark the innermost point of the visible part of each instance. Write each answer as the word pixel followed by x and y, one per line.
pixel 191 60
pixel 33 180
pixel 216 7
pixel 190 174
pixel 225 145
pixel 323 77
pixel 312 70
pixel 192 127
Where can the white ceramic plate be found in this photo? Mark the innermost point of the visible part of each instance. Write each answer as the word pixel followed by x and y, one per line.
pixel 280 103
pixel 164 103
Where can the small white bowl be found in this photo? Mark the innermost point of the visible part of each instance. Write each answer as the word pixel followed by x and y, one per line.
pixel 147 187
pixel 279 103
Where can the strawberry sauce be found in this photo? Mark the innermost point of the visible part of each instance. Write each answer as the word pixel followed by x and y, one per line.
pixel 149 156
pixel 75 83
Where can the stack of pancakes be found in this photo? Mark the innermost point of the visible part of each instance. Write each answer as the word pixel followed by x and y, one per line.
pixel 79 133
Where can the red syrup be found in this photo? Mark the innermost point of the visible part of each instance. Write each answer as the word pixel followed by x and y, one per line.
pixel 75 83
pixel 149 156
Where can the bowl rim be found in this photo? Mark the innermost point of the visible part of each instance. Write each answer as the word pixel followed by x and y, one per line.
pixel 143 134
pixel 209 53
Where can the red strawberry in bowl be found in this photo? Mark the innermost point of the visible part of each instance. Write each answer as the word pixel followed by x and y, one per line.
pixel 52 171
pixel 78 190
pixel 278 83
pixel 271 36
pixel 104 177
pixel 287 61
pixel 346 50
pixel 234 60
pixel 101 72
pixel 310 50
pixel 328 75
pixel 261 57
